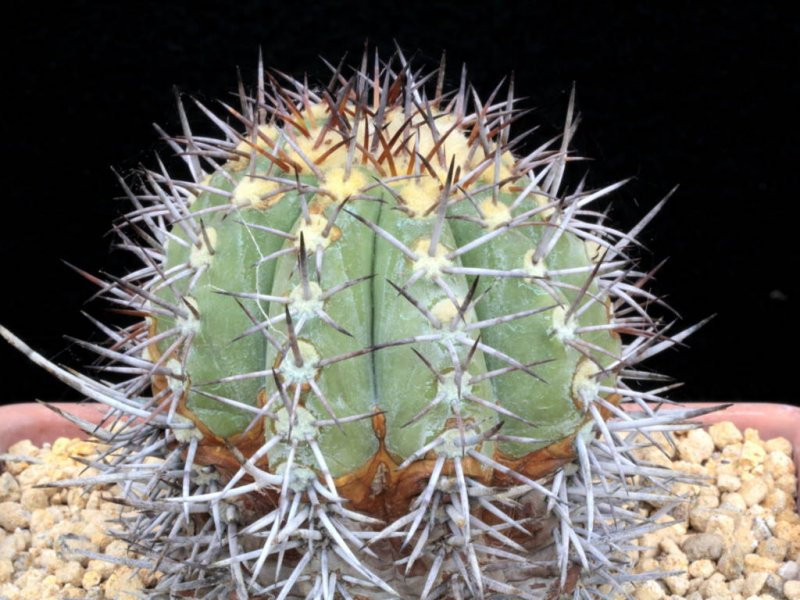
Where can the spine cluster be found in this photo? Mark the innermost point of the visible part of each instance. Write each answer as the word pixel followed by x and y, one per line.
pixel 378 353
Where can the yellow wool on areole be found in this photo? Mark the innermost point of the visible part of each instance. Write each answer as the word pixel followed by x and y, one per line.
pixel 317 142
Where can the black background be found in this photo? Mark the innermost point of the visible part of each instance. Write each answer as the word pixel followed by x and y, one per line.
pixel 670 94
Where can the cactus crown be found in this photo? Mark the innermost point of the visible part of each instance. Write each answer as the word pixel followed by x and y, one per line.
pixel 375 350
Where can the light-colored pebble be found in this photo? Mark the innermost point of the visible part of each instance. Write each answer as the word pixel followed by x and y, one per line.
pixel 731 563
pixel 754 490
pixel 13 516
pixel 789 570
pixel 728 483
pixel 736 586
pixel 91 579
pixel 743 536
pixel 775 549
pixel 43 520
pixel 714 586
pixel 733 501
pixel 788 483
pixel 778 463
pixel 124 584
pixel 698 518
pixel 779 444
pixel 24 448
pixel 753 563
pixel 9 488
pixel 754 582
pixel 791 589
pixel 48 559
pixel 790 533
pixel 753 454
pixel 751 435
pixel 776 500
pixel 102 567
pixel 33 498
pixel 6 570
pixel 725 434
pixel 703 545
pixel 71 573
pixel 721 524
pixel 773 586
pixel 650 590
pixel 696 447
pixel 677 584
pixel 701 569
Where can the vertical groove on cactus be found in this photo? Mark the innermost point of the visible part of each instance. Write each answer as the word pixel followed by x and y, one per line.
pixel 377 354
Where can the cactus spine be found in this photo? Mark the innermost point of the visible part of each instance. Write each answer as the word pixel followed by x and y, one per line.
pixel 376 353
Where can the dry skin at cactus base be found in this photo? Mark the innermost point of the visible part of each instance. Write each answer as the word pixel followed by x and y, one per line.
pixel 374 349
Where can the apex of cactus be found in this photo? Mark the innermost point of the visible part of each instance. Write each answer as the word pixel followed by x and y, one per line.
pixel 375 352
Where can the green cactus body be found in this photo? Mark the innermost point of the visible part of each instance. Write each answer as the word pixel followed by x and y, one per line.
pixel 438 287
pixel 377 356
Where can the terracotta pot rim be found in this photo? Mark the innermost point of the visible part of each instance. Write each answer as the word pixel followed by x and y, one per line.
pixel 37 422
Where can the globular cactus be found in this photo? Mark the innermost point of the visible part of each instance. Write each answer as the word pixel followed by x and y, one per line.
pixel 376 352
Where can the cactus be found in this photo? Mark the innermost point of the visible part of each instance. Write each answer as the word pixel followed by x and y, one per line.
pixel 376 352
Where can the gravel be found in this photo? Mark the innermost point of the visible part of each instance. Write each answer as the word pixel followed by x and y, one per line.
pixel 738 535
pixel 738 539
pixel 43 531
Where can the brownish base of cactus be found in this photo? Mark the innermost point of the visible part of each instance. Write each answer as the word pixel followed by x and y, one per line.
pixel 379 488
